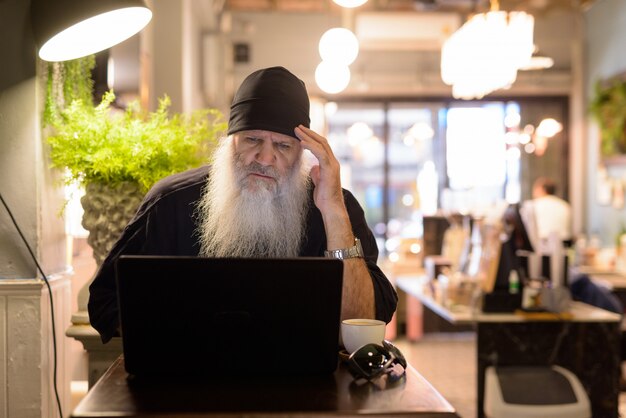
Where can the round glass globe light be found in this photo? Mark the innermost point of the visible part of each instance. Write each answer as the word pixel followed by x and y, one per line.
pixel 332 78
pixel 339 45
pixel 350 3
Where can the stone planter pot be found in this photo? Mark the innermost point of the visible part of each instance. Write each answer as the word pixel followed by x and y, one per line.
pixel 107 212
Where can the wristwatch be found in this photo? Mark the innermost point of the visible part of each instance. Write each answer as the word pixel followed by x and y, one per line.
pixel 356 251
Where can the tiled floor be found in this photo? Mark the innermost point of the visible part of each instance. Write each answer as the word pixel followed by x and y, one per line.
pixel 447 361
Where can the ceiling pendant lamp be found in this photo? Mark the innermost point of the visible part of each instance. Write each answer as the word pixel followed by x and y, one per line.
pixel 350 3
pixel 486 52
pixel 70 29
pixel 339 45
pixel 331 77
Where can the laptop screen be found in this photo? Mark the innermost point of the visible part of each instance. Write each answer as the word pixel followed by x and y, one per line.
pixel 195 316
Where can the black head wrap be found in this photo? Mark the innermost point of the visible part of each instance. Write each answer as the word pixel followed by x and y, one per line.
pixel 271 99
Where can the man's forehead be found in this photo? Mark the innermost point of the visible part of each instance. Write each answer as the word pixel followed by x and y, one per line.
pixel 274 136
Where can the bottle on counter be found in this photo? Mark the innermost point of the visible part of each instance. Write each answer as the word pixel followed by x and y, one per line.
pixel 514 282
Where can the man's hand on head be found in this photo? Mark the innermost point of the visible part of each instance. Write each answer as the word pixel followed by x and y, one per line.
pixel 327 194
pixel 358 290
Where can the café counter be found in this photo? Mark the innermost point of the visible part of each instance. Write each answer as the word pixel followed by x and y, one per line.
pixel 584 339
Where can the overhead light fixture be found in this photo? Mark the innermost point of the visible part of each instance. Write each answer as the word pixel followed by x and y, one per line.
pixel 359 132
pixel 70 29
pixel 350 3
pixel 549 127
pixel 419 131
pixel 486 52
pixel 339 45
pixel 535 140
pixel 338 48
pixel 331 77
pixel 538 62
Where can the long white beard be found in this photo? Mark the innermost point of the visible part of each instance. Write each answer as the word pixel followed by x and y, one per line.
pixel 245 217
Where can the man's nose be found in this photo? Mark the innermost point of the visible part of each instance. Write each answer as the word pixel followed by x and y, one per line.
pixel 266 154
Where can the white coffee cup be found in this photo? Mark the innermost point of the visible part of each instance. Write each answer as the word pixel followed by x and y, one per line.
pixel 358 332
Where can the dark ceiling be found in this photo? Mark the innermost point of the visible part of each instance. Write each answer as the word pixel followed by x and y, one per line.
pixel 460 6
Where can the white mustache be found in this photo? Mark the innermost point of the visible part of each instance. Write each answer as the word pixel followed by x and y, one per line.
pixel 256 168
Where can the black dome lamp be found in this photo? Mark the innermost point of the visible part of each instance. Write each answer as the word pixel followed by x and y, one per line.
pixel 70 29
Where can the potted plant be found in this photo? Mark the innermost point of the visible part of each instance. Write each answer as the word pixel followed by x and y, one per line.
pixel 118 156
pixel 608 107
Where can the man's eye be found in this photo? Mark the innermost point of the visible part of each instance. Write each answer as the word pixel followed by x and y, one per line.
pixel 252 139
pixel 284 145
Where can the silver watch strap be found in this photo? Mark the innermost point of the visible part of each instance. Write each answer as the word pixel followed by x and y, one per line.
pixel 356 251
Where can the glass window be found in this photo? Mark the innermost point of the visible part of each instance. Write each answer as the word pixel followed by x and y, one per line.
pixel 412 178
pixel 382 150
pixel 356 135
pixel 404 160
pixel 475 157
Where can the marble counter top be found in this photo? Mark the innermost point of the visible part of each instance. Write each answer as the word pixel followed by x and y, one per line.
pixel 418 287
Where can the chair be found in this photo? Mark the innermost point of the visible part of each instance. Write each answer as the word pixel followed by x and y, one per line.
pixel 534 392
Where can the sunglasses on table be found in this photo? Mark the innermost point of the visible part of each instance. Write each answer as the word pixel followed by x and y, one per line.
pixel 373 360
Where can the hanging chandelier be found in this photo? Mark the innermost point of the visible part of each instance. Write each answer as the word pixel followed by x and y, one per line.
pixel 486 52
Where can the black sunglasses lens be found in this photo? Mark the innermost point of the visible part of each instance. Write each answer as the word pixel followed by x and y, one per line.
pixel 372 360
pixel 368 361
pixel 396 353
pixel 356 371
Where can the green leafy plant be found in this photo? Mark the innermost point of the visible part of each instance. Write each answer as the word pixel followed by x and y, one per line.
pixel 608 107
pixel 95 144
pixel 67 81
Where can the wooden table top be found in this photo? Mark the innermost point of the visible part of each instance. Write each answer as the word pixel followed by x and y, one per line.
pixel 336 395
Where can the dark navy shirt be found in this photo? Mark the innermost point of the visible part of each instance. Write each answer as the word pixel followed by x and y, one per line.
pixel 166 224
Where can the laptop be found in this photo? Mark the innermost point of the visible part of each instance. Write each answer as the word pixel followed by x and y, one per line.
pixel 205 316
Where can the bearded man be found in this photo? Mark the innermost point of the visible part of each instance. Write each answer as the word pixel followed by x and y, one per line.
pixel 257 199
